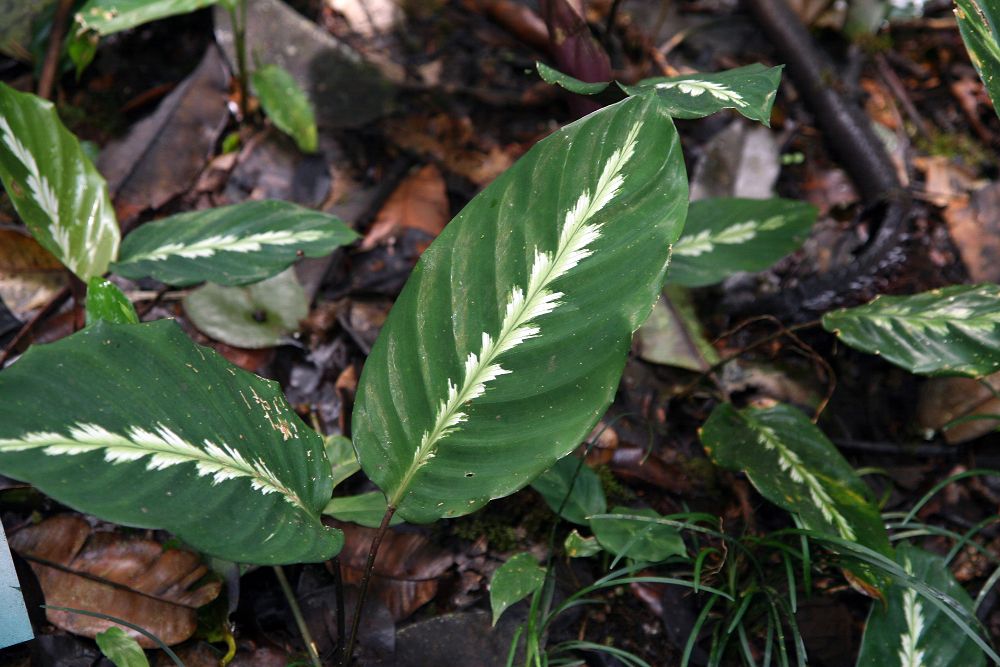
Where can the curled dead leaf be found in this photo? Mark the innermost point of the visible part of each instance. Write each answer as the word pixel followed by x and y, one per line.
pixel 29 274
pixel 419 202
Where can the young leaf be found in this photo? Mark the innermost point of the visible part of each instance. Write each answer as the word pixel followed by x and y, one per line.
pixel 908 631
pixel 140 426
pixel 106 17
pixel 722 236
pixel 629 533
pixel 573 85
pixel 55 188
pixel 507 342
pixel 121 649
pixel 287 105
pixel 954 330
pixel 231 245
pixel 672 334
pixel 106 302
pixel 792 464
pixel 578 546
pixel 750 90
pixel 583 499
pixel 978 22
pixel 365 509
pixel 515 580
pixel 255 316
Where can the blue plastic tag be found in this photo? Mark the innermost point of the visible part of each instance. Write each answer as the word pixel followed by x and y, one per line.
pixel 14 625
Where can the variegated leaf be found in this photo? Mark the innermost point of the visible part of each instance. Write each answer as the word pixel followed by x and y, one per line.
pixel 55 188
pixel 507 342
pixel 949 331
pixel 978 21
pixel 230 245
pixel 909 631
pixel 723 236
pixel 792 464
pixel 138 425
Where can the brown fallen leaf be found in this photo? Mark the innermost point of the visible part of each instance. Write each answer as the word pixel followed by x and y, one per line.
pixel 29 274
pixel 135 580
pixel 406 570
pixel 419 202
pixel 975 229
pixel 945 399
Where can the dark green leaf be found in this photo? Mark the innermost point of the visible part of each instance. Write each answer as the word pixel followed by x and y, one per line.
pixel 750 90
pixel 634 533
pixel 515 580
pixel 792 464
pixel 527 382
pixel 584 498
pixel 256 316
pixel 723 236
pixel 55 188
pixel 106 302
pixel 287 105
pixel 138 425
pixel 365 509
pixel 949 331
pixel 672 334
pixel 106 17
pixel 343 462
pixel 978 23
pixel 231 245
pixel 908 630
pixel 555 77
pixel 121 649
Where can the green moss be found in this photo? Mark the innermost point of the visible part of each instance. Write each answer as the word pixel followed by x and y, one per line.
pixel 957 146
pixel 500 536
pixel 616 492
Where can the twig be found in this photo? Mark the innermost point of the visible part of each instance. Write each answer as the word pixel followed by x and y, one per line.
pixel 300 621
pixel 899 91
pixel 52 53
pixel 46 310
pixel 345 660
pixel 338 587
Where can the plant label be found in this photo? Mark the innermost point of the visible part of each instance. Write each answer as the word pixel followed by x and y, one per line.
pixel 14 625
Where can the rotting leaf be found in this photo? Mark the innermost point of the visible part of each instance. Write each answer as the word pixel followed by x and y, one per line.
pixel 136 580
pixel 419 202
pixel 29 274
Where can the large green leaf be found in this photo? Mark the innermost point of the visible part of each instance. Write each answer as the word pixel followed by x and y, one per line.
pixel 138 425
pixel 55 188
pixel 508 341
pixel 908 631
pixel 579 494
pixel 749 90
pixel 287 105
pixel 949 331
pixel 635 533
pixel 978 21
pixel 106 17
pixel 792 464
pixel 231 245
pixel 723 236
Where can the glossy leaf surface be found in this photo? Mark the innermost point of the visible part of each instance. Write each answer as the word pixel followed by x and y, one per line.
pixel 138 425
pixel 634 533
pixel 978 21
pixel 580 495
pixel 908 630
pixel 106 302
pixel 949 331
pixel 364 509
pixel 54 186
pixel 749 90
pixel 106 17
pixel 723 236
pixel 513 581
pixel 792 464
pixel 507 343
pixel 287 105
pixel 230 245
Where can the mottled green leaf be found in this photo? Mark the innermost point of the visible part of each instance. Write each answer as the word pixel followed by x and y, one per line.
pixel 634 533
pixel 573 85
pixel 513 581
pixel 121 649
pixel 507 343
pixel 723 236
pixel 672 334
pixel 949 331
pixel 256 316
pixel 365 509
pixel 792 464
pixel 287 105
pixel 55 188
pixel 978 22
pixel 231 245
pixel 749 90
pixel 106 17
pixel 581 500
pixel 106 302
pixel 578 546
pixel 909 631
pixel 138 425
